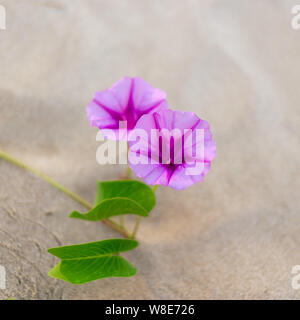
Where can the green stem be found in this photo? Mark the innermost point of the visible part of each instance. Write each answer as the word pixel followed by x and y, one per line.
pixel 138 220
pixel 122 221
pixel 117 228
pixel 128 173
pixel 68 192
pixel 136 227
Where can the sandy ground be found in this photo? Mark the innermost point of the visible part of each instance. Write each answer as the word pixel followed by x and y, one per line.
pixel 235 63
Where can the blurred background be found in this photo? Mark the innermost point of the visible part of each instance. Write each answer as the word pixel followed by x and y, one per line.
pixel 235 63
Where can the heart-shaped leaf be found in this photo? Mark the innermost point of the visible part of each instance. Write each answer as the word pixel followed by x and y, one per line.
pixel 116 198
pixel 91 261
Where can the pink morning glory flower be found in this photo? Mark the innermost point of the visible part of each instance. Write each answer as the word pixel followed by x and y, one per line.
pixel 127 100
pixel 171 148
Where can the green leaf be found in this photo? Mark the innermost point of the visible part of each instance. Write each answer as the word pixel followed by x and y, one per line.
pixel 132 189
pixel 91 261
pixel 116 198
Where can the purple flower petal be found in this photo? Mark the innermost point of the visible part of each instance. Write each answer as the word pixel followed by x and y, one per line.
pixel 185 164
pixel 127 100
